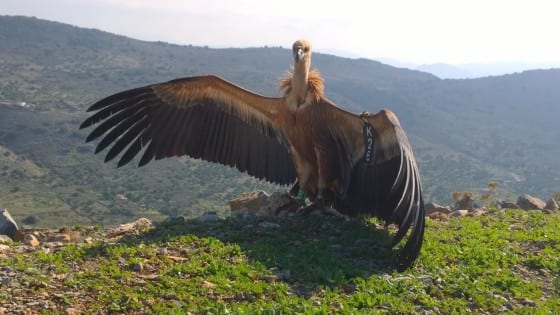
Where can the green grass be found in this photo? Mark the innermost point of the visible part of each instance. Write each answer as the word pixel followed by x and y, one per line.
pixel 502 263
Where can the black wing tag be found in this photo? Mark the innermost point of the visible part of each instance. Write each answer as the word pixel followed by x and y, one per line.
pixel 369 141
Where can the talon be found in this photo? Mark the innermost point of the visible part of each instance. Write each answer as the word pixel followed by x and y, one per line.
pixel 307 210
pixel 317 204
pixel 293 204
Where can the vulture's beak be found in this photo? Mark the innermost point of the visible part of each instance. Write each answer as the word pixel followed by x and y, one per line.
pixel 300 54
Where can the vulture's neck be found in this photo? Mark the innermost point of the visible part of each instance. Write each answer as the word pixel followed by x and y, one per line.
pixel 299 82
pixel 301 88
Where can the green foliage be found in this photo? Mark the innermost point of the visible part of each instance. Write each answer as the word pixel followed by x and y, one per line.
pixel 504 262
pixel 29 220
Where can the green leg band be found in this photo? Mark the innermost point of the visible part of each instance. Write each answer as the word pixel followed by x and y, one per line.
pixel 301 195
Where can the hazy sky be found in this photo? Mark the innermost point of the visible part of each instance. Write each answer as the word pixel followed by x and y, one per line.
pixel 422 31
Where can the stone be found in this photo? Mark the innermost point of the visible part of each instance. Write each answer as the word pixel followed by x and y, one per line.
pixel 65 238
pixel 440 216
pixel 432 207
pixel 175 219
pixel 130 228
pixel 502 204
pixel 254 201
pixel 5 281
pixel 284 275
pixel 137 267
pixel 269 225
pixel 208 216
pixel 552 205
pixel 207 284
pixel 258 203
pixel 7 224
pixel 5 239
pixel 72 311
pixel 280 200
pixel 478 212
pixel 4 248
pixel 459 213
pixel 528 202
pixel 31 240
pixel 466 202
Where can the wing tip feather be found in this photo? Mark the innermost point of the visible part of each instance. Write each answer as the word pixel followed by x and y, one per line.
pixel 412 248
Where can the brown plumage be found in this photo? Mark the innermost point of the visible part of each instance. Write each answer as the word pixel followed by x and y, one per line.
pixel 301 135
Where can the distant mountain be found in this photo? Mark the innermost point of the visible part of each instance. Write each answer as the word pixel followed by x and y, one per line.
pixel 465 133
pixel 479 70
pixel 445 71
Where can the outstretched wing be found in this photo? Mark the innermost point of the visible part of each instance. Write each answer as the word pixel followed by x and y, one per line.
pixel 386 182
pixel 202 117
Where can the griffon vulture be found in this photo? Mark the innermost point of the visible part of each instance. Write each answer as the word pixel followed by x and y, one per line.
pixel 353 163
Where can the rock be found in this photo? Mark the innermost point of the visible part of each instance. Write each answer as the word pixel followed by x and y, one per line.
pixel 72 311
pixel 466 202
pixel 121 197
pixel 528 302
pixel 208 216
pixel 258 203
pixel 4 248
pixel 278 200
pixel 440 216
pixel 502 204
pixel 254 201
pixel 175 219
pixel 137 267
pixel 130 228
pixel 269 225
pixel 459 213
pixel 284 275
pixel 335 247
pixel 65 238
pixel 5 239
pixel 528 202
pixel 5 281
pixel 552 205
pixel 478 212
pixel 207 284
pixel 53 244
pixel 31 240
pixel 432 207
pixel 7 224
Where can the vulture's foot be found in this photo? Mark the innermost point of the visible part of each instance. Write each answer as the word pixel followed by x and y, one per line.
pixel 318 207
pixel 292 206
pixel 296 200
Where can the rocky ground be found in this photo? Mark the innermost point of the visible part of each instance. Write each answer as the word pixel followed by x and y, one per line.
pixel 32 288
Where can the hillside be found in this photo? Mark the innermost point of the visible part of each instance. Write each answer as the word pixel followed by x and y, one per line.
pixel 464 132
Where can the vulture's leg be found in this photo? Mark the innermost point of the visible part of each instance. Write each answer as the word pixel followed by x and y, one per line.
pixel 296 197
pixel 317 204
pixel 294 192
pixel 318 201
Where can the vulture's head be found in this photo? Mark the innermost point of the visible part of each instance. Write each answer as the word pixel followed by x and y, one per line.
pixel 302 51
